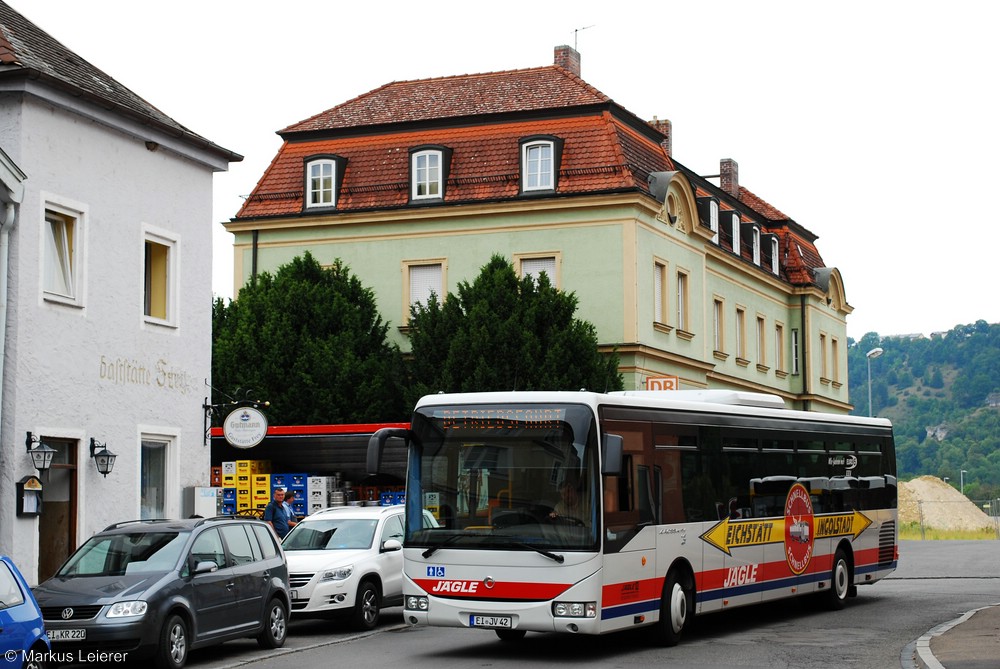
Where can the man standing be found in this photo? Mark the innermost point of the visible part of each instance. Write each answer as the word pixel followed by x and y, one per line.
pixel 289 511
pixel 275 515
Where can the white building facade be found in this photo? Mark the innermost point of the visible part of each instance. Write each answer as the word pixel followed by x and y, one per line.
pixel 107 244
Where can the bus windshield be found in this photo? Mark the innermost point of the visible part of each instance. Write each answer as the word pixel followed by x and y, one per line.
pixel 511 477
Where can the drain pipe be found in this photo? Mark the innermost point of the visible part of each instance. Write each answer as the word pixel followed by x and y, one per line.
pixel 804 363
pixel 6 223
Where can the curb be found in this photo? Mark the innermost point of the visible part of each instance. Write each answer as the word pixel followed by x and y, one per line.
pixel 922 652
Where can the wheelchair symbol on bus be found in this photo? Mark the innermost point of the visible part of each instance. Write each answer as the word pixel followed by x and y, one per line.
pixel 435 572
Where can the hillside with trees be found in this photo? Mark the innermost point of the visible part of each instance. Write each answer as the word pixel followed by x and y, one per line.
pixel 942 393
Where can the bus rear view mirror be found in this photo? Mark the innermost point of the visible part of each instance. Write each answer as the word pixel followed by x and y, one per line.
pixel 376 444
pixel 612 446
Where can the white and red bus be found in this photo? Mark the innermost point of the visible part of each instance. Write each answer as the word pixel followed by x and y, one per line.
pixel 685 503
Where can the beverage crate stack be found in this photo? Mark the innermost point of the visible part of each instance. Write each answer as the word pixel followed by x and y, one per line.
pixel 244 483
pixel 318 490
pixel 297 482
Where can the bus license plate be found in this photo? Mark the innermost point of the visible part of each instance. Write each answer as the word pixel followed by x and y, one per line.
pixel 491 621
pixel 67 635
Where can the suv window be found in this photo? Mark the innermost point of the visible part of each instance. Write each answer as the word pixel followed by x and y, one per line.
pixel 266 538
pixel 208 548
pixel 117 554
pixel 254 544
pixel 393 529
pixel 238 543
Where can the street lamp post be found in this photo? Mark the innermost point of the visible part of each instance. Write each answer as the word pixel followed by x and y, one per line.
pixel 874 353
pixel 961 479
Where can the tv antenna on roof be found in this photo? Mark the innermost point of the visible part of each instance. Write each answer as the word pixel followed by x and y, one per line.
pixel 575 31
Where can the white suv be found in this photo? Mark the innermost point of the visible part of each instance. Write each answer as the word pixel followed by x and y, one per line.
pixel 347 561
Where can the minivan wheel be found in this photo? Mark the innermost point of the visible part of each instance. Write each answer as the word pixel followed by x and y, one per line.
pixel 367 607
pixel 275 626
pixel 173 649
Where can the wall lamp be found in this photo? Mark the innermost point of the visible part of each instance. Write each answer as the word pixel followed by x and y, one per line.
pixel 104 459
pixel 41 454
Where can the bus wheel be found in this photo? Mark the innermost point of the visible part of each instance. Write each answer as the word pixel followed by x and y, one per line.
pixel 675 606
pixel 840 582
pixel 510 635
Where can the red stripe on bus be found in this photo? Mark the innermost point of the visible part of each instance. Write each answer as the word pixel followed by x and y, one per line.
pixel 629 592
pixel 508 590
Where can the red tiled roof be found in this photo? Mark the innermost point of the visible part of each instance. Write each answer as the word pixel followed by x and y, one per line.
pixel 532 89
pixel 760 206
pixel 600 154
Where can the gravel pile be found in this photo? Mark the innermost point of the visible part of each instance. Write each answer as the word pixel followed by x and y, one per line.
pixel 939 506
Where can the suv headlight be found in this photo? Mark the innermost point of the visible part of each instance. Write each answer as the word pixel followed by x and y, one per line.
pixel 127 609
pixel 337 574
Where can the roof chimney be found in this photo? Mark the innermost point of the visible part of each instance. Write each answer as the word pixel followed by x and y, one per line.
pixel 729 176
pixel 665 128
pixel 568 58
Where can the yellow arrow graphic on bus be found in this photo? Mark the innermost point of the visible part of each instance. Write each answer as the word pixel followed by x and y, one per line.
pixel 840 524
pixel 728 534
pixel 739 533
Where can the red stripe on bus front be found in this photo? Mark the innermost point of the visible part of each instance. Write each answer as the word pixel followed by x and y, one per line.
pixel 508 590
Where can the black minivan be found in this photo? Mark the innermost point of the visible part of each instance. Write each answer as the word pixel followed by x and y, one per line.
pixel 161 588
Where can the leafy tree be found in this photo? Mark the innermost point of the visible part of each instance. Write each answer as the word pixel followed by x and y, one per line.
pixel 311 341
pixel 505 333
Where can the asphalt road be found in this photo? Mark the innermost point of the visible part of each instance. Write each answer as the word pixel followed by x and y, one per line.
pixel 936 581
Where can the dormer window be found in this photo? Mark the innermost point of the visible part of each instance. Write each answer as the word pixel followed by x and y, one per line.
pixel 755 236
pixel 736 233
pixel 774 255
pixel 713 220
pixel 540 158
pixel 708 212
pixel 324 174
pixel 428 172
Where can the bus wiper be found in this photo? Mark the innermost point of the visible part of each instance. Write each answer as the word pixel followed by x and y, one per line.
pixel 541 551
pixel 433 549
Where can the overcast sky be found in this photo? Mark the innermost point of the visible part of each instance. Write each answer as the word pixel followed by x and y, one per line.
pixel 870 123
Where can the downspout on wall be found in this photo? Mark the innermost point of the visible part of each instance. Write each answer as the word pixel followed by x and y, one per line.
pixel 803 333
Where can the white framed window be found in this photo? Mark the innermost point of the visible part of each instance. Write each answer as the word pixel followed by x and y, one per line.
pixel 835 359
pixel 795 350
pixel 736 234
pixel 713 220
pixel 779 346
pixel 537 165
pixel 761 342
pixel 659 291
pixel 321 180
pixel 62 254
pixel 153 479
pixel 533 266
pixel 741 333
pixel 421 279
pixel 718 322
pixel 755 239
pixel 160 276
pixel 427 169
pixel 682 301
pixel 824 371
pixel 774 256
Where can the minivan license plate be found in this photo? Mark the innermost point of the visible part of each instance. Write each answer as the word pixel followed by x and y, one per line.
pixel 491 621
pixel 67 635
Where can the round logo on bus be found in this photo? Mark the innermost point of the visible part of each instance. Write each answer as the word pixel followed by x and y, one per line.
pixel 798 528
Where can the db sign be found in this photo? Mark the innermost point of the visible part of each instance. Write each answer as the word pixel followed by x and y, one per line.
pixel 663 383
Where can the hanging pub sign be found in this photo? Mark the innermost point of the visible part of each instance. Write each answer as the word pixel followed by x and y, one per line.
pixel 245 427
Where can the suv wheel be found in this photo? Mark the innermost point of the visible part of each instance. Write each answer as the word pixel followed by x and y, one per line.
pixel 173 649
pixel 367 607
pixel 275 626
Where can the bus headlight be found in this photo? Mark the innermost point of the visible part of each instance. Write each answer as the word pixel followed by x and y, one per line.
pixel 416 603
pixel 574 609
